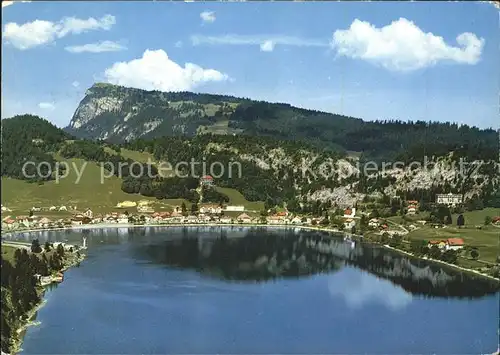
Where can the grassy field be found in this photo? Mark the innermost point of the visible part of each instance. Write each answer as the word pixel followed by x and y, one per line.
pixel 236 198
pixel 485 239
pixel 89 192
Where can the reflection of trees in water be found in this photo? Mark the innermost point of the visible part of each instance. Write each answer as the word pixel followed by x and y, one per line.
pixel 421 277
pixel 256 256
pixel 263 254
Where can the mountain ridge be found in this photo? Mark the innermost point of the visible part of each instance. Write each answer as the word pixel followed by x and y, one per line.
pixel 119 114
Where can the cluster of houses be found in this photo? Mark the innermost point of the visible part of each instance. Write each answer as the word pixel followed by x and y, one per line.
pixel 447 244
pixel 206 214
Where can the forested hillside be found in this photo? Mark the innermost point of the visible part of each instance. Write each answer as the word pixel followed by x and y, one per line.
pixel 121 114
pixel 261 168
pixel 29 138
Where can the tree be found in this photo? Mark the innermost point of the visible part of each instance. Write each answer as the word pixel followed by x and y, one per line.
pixel 194 208
pixel 47 246
pixel 184 209
pixel 460 220
pixel 435 252
pixel 35 246
pixel 353 230
pixel 488 220
pixel 448 220
pixel 449 256
pixel 417 246
pixel 474 253
pixel 396 240
pixel 60 250
pixel 31 213
pixel 385 238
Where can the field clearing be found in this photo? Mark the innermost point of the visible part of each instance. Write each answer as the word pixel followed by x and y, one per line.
pixel 141 157
pixel 88 192
pixel 487 239
pixel 236 198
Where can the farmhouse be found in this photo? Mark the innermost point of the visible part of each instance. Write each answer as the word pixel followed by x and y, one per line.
pixel 244 218
pixel 454 244
pixel 441 244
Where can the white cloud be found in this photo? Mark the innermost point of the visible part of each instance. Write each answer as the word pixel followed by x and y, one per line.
pixel 39 32
pixel 47 106
pixel 99 47
pixel 75 84
pixel 264 41
pixel 403 46
pixel 359 288
pixel 156 71
pixel 8 3
pixel 208 16
pixel 267 46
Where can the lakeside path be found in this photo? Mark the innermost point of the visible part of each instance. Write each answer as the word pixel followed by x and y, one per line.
pixel 321 229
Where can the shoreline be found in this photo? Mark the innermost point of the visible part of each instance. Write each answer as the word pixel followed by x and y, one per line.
pixel 20 332
pixel 306 227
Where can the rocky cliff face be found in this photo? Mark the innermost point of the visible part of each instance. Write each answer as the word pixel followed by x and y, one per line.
pixel 120 114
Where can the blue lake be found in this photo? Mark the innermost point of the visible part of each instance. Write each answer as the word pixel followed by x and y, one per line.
pixel 260 291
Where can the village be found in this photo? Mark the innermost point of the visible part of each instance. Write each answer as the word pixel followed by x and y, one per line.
pixel 409 230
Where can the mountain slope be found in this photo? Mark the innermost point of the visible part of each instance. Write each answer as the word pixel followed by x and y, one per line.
pixel 121 114
pixel 29 138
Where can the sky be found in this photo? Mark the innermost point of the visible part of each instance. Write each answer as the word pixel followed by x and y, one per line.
pixel 432 61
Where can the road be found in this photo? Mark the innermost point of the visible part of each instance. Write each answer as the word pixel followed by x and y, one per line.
pixel 405 231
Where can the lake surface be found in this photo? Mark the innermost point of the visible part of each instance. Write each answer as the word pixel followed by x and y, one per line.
pixel 255 290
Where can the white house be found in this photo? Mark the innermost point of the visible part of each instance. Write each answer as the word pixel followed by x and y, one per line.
pixel 63 208
pixel 374 223
pixel 449 199
pixel 226 219
pixel 52 208
pixel 213 209
pixel 296 220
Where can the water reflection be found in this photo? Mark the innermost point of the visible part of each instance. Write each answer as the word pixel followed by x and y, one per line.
pixel 260 254
pixel 360 288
